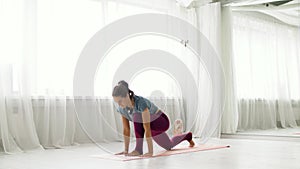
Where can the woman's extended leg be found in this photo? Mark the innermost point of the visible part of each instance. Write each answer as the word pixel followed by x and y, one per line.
pixel 159 126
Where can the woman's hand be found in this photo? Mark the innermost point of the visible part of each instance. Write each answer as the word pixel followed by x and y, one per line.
pixel 122 153
pixel 149 154
pixel 133 153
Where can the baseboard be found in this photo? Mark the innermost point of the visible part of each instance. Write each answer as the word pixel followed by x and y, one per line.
pixel 261 137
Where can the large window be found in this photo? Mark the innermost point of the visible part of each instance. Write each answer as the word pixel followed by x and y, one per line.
pixel 266 56
pixel 64 28
pixel 51 34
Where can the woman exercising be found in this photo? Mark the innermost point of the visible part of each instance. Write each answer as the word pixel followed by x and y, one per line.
pixel 147 119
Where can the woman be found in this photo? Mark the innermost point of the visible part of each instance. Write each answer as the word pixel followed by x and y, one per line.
pixel 147 119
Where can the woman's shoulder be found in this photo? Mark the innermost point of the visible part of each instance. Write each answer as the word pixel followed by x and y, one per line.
pixel 139 99
pixel 140 103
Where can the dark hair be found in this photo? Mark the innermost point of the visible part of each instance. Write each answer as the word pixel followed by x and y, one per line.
pixel 122 89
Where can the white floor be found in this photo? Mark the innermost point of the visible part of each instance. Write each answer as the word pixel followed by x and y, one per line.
pixel 244 154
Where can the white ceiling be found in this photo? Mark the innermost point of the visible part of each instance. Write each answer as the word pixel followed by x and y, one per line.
pixel 286 12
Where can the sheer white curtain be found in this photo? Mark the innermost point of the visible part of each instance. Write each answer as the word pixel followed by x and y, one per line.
pixel 17 130
pixel 16 123
pixel 209 23
pixel 37 77
pixel 43 40
pixel 41 45
pixel 266 55
pixel 230 114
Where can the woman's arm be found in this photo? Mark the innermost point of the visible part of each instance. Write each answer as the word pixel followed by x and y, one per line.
pixel 126 135
pixel 147 128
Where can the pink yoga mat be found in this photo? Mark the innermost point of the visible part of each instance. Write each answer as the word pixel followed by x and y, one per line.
pixel 162 153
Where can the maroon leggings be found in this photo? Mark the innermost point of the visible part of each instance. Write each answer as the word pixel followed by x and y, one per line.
pixel 159 125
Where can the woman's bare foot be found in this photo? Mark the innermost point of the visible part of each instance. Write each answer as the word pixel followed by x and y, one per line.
pixel 189 138
pixel 192 143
